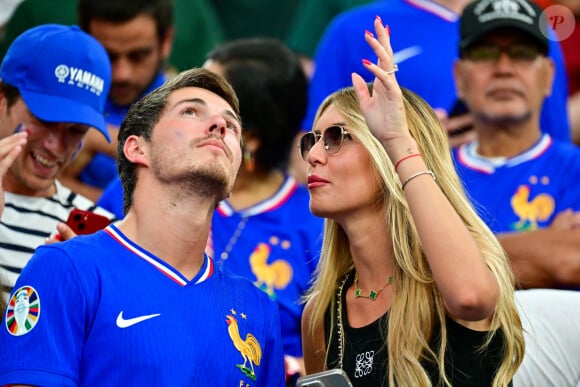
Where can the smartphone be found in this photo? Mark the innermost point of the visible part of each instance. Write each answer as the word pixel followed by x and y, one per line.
pixel 86 222
pixel 459 109
pixel 330 378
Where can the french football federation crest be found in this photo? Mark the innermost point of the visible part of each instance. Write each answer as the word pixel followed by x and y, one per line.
pixel 23 311
pixel 249 347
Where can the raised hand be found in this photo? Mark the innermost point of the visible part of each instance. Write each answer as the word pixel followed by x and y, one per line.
pixel 10 148
pixel 383 109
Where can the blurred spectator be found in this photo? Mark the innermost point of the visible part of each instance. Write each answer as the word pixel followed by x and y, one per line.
pixel 53 84
pixel 522 181
pixel 137 36
pixel 425 57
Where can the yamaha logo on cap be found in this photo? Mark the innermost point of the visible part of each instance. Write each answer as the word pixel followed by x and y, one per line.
pixel 79 77
pixel 61 72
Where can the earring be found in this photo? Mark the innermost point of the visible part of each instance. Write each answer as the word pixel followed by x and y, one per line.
pixel 249 161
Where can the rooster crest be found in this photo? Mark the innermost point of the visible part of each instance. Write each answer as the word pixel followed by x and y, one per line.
pixel 269 276
pixel 540 208
pixel 249 348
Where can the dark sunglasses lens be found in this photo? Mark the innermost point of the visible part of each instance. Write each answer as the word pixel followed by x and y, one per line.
pixel 332 139
pixel 519 52
pixel 483 53
pixel 523 52
pixel 306 143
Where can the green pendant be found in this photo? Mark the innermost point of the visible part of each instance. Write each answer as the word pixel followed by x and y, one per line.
pixel 373 295
pixel 357 293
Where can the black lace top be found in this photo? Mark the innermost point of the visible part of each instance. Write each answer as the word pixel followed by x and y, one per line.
pixel 365 353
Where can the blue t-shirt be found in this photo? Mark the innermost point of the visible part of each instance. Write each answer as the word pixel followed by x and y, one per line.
pixel 524 192
pixel 99 310
pixel 112 198
pixel 275 243
pixel 425 41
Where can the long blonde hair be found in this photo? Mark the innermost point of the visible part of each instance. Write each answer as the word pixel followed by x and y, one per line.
pixel 413 318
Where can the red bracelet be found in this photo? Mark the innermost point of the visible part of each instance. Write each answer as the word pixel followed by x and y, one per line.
pixel 405 158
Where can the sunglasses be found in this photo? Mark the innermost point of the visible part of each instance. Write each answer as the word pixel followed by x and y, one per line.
pixel 491 53
pixel 332 139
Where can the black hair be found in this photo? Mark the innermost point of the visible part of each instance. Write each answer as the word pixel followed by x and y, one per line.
pixel 120 11
pixel 10 92
pixel 272 89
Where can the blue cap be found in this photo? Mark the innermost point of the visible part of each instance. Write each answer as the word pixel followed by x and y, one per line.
pixel 62 73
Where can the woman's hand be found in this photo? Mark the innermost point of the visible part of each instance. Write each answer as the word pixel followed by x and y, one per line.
pixel 383 109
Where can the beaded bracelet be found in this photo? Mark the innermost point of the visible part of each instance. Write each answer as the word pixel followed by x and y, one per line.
pixel 405 158
pixel 416 175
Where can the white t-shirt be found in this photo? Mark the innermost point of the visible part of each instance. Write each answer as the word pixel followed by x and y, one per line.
pixel 26 223
pixel 551 321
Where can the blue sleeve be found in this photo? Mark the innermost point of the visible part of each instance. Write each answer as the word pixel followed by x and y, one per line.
pixel 112 198
pixel 42 338
pixel 554 117
pixel 569 195
pixel 338 54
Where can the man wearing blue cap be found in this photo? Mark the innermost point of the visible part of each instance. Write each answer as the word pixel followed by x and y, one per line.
pixel 138 37
pixel 54 81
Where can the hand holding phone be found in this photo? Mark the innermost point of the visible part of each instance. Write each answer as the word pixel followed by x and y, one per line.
pixel 86 222
pixel 329 378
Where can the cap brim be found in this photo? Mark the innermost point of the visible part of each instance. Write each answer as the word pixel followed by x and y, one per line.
pixel 57 109
pixel 492 26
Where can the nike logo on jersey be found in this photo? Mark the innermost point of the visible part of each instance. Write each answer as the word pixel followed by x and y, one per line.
pixel 406 53
pixel 125 323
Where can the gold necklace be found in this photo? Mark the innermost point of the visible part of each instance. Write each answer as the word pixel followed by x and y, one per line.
pixel 373 294
pixel 339 326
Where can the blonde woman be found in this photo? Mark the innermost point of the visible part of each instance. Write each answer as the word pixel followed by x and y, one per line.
pixel 412 288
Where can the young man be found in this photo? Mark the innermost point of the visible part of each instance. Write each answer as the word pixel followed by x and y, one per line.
pixel 138 37
pixel 522 180
pixel 54 82
pixel 140 303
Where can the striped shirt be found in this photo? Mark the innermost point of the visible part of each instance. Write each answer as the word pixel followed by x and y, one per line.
pixel 26 223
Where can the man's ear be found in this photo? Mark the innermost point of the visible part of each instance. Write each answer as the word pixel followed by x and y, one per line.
pixel 457 78
pixel 136 151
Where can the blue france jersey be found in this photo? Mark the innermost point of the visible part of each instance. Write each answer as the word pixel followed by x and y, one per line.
pixel 425 41
pixel 524 192
pixel 99 310
pixel 275 244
